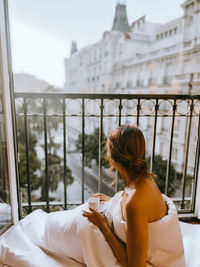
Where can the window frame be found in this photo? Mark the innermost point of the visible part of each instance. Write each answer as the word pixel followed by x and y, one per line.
pixel 7 99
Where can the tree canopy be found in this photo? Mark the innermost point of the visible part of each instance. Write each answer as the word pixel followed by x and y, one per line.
pixel 92 148
pixel 160 168
pixel 37 170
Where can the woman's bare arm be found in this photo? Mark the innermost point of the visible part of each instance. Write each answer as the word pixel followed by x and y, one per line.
pixel 136 234
pixel 117 246
pixel 134 253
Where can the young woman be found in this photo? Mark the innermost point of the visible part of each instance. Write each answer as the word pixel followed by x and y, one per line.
pixel 134 229
pixel 141 201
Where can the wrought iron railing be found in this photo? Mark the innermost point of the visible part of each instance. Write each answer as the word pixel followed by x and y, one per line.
pixel 170 124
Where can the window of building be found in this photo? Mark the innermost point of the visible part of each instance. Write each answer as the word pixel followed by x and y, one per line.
pixel 100 53
pixel 118 85
pixel 177 124
pixel 162 149
pixel 95 55
pixel 175 153
pixel 129 83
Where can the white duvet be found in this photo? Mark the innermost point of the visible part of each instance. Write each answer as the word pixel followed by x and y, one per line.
pixel 66 238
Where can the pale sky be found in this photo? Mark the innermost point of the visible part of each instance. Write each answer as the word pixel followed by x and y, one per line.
pixel 42 30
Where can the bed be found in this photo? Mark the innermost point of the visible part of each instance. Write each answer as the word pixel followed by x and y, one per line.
pixel 20 248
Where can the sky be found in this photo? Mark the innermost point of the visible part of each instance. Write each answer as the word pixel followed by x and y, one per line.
pixel 42 30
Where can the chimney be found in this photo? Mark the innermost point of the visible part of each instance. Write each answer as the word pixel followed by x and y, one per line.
pixel 73 48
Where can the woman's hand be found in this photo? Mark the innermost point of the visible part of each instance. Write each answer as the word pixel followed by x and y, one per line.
pixel 102 197
pixel 96 218
pixel 117 246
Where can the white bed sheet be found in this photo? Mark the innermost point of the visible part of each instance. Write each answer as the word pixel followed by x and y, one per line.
pixel 191 242
pixel 17 250
pixel 19 247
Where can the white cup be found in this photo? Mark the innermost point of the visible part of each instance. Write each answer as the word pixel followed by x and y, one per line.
pixel 94 202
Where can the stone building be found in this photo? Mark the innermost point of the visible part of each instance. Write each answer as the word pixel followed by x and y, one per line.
pixel 144 58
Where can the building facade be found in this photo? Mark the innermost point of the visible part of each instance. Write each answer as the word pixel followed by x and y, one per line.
pixel 144 58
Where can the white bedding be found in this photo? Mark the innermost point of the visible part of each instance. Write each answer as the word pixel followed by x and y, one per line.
pixel 38 242
pixel 191 242
pixel 53 239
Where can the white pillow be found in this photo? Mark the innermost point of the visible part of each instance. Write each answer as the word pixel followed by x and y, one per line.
pixel 17 250
pixel 191 242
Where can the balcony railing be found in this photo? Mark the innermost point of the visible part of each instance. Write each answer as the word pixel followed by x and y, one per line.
pixel 62 125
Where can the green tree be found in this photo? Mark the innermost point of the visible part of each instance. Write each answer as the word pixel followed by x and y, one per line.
pixel 34 162
pixel 92 148
pixel 37 168
pixel 55 175
pixel 55 166
pixel 160 168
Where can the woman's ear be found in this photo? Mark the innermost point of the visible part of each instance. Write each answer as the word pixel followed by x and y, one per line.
pixel 116 165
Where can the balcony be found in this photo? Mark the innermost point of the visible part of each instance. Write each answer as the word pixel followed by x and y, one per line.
pixel 183 78
pixel 61 121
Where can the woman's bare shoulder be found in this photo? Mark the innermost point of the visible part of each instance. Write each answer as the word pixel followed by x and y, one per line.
pixel 142 193
pixel 138 200
pixel 148 200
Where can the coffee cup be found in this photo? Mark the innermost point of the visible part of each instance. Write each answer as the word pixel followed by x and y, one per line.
pixel 94 203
